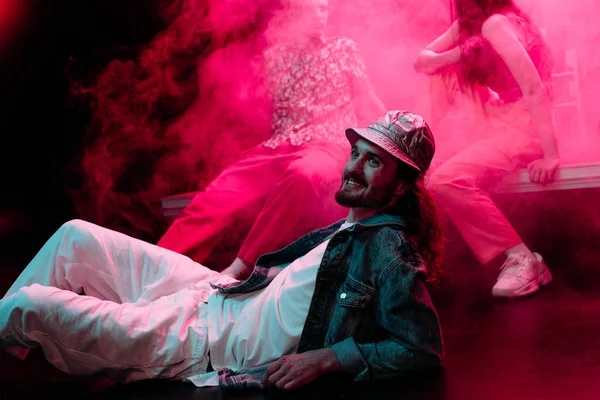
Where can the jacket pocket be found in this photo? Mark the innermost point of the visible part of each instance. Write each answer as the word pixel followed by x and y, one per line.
pixel 352 308
pixel 354 294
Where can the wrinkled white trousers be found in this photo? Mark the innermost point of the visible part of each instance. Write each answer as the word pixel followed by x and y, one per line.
pixel 98 301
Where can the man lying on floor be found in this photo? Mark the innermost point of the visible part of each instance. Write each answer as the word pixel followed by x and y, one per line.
pixel 349 297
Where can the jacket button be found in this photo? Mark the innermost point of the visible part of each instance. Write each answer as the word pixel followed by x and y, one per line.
pixel 343 296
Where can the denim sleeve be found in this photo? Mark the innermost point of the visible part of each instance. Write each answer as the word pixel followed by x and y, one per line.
pixel 405 311
pixel 350 357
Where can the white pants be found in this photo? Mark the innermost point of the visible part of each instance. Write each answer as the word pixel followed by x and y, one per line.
pixel 98 301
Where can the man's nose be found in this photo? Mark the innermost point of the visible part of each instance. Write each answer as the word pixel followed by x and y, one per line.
pixel 351 165
pixel 354 167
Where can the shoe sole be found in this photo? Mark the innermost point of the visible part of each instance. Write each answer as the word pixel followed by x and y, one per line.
pixel 524 291
pixel 544 279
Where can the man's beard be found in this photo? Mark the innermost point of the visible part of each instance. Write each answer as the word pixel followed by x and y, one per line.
pixel 369 199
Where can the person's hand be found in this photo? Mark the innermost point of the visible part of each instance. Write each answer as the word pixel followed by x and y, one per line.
pixel 543 170
pixel 296 370
pixel 238 269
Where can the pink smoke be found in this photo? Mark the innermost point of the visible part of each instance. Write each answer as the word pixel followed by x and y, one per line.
pixel 169 120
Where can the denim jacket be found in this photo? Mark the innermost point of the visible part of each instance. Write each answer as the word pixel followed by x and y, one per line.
pixel 370 303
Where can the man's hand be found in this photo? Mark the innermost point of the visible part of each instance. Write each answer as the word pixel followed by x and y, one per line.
pixel 543 170
pixel 291 372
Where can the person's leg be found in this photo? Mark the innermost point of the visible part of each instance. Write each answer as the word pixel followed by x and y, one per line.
pixel 457 188
pixel 85 258
pixel 303 199
pixel 239 189
pixel 83 335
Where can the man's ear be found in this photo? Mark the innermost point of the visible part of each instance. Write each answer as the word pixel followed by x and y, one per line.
pixel 401 188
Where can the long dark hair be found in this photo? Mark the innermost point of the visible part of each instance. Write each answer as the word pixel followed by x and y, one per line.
pixel 423 223
pixel 477 60
pixel 471 14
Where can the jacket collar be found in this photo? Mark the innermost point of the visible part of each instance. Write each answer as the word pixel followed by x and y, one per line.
pixel 378 220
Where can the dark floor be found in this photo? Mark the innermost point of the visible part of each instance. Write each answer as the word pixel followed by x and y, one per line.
pixel 543 347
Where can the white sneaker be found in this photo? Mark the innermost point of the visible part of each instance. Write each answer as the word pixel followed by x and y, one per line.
pixel 521 275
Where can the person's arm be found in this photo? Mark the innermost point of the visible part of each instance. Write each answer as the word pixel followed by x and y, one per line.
pixel 502 36
pixel 367 104
pixel 440 53
pixel 405 311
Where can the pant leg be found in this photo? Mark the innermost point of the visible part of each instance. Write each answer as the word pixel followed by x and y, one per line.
pixel 82 335
pixel 458 187
pixel 302 199
pixel 86 258
pixel 240 188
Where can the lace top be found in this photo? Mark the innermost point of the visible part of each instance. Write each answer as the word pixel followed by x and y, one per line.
pixel 311 88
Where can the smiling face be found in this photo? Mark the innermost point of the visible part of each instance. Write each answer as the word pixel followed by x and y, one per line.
pixel 370 178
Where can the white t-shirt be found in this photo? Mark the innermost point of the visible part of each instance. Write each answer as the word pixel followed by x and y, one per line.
pixel 254 329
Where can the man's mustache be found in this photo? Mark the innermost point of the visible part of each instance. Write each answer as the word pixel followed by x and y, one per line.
pixel 356 178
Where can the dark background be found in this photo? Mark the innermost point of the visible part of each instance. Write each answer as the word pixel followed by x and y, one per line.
pixel 43 124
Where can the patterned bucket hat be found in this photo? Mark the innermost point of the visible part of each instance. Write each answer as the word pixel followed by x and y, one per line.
pixel 403 134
